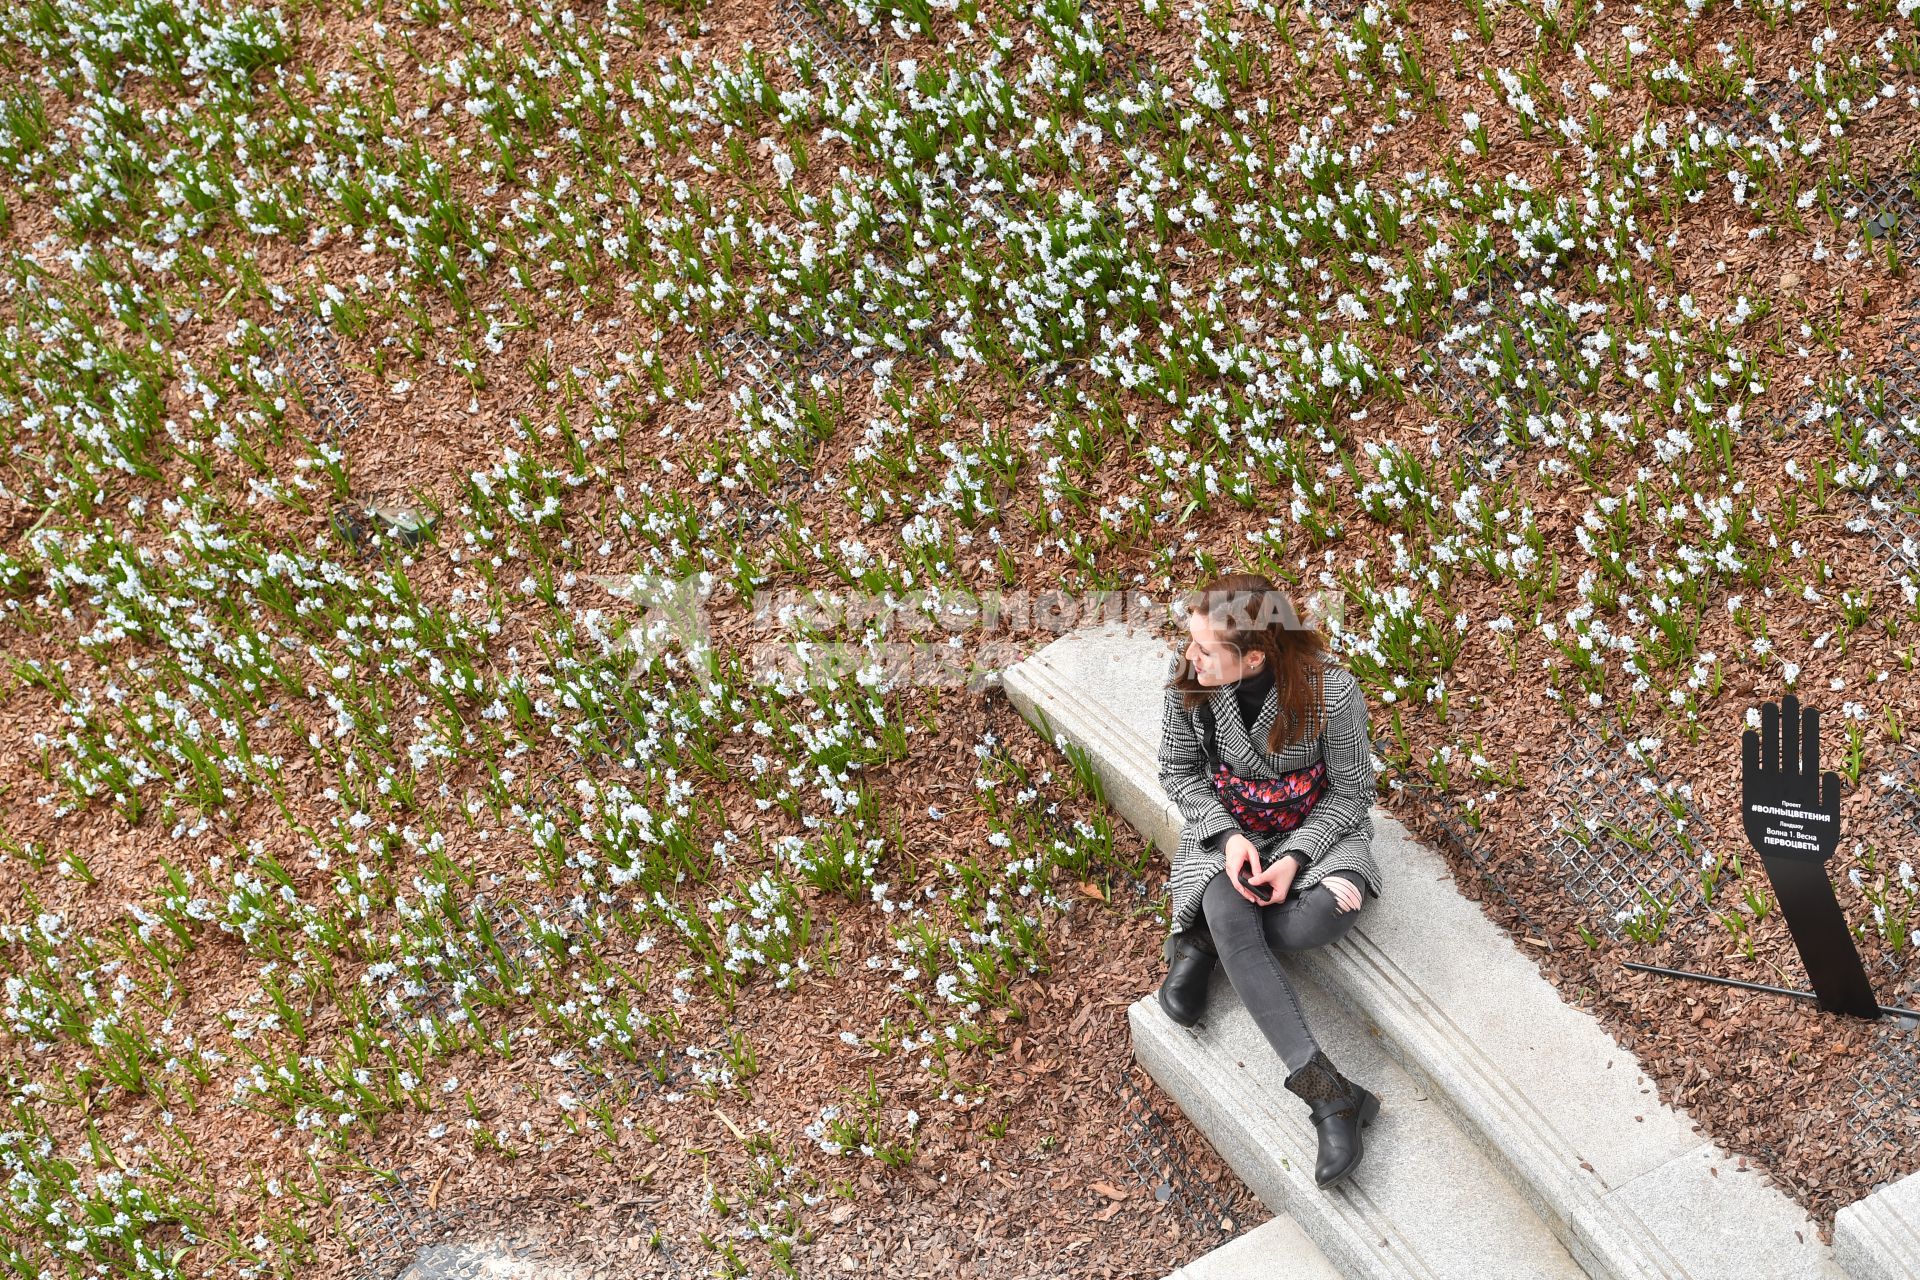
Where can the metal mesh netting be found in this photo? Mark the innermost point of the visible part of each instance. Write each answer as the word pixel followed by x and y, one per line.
pixel 801 23
pixel 1895 522
pixel 491 1259
pixel 1619 834
pixel 770 369
pixel 1458 368
pixel 1899 793
pixel 467 965
pixel 390 1225
pixel 1213 1215
pixel 1887 403
pixel 1753 112
pixel 1886 1098
pixel 435 991
pixel 1135 78
pixel 399 1233
pixel 1053 824
pixel 768 366
pixel 309 349
pixel 979 196
pixel 1893 505
pixel 614 1081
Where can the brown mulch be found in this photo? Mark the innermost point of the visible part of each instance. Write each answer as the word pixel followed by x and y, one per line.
pixel 1056 1196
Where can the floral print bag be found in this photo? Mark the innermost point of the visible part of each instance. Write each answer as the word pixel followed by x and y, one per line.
pixel 1264 806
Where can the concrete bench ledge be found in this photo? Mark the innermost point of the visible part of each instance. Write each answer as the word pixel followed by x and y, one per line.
pixel 1624 1182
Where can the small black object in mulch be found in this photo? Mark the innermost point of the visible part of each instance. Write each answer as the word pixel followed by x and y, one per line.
pixel 365 527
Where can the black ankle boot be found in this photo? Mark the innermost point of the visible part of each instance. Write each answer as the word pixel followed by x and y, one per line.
pixel 1190 958
pixel 1339 1107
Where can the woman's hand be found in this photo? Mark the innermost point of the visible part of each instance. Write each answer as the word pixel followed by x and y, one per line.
pixel 1241 854
pixel 1279 878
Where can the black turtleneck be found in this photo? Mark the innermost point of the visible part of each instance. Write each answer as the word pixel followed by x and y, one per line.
pixel 1251 693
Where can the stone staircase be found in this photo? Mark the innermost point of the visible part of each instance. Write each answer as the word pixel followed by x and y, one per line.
pixel 1516 1139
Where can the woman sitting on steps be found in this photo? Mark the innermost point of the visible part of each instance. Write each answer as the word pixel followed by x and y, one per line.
pixel 1264 749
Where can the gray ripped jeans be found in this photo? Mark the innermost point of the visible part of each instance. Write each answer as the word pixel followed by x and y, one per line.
pixel 1247 936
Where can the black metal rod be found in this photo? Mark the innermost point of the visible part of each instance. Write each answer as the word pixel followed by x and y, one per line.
pixel 1752 986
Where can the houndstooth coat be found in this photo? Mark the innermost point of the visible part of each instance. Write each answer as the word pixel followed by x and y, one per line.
pixel 1336 836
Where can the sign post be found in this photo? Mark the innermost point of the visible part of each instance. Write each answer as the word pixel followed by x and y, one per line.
pixel 1791 813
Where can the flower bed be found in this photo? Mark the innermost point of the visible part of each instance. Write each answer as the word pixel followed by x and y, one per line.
pixel 353 358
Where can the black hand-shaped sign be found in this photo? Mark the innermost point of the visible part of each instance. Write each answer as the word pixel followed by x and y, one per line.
pixel 1789 808
pixel 1791 813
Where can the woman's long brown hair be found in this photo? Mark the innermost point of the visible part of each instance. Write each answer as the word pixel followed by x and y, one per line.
pixel 1249 611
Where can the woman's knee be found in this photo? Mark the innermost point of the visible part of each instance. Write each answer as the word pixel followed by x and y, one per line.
pixel 1226 912
pixel 1316 920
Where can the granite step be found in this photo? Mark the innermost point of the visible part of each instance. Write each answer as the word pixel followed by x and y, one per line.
pixel 1878 1236
pixel 1425 1202
pixel 1277 1249
pixel 1626 1183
